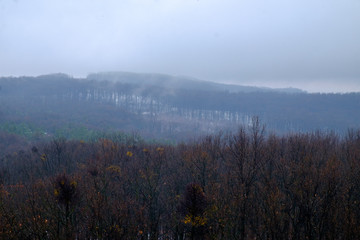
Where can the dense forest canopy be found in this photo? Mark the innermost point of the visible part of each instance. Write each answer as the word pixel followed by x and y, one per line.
pixel 241 185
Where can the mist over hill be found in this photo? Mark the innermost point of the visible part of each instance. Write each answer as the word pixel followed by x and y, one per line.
pixel 164 107
pixel 180 82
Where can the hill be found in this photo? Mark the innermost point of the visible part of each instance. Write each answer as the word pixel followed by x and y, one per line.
pixel 178 82
pixel 162 106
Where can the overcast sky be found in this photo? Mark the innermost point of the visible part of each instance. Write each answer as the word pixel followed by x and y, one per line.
pixel 310 44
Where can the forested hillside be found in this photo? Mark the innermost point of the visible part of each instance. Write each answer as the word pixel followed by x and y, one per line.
pixel 161 106
pixel 241 185
pixel 109 158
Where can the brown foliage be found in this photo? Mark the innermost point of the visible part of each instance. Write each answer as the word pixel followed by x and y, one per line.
pixel 248 185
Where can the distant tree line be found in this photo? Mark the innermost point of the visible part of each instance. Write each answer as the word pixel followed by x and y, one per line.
pixel 241 185
pixel 165 111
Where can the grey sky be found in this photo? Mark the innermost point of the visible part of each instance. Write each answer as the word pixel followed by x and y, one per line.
pixel 311 44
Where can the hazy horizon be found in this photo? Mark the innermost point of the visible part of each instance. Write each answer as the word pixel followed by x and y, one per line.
pixel 311 45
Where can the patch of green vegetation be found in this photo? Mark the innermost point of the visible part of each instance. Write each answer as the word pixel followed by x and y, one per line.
pixel 72 132
pixel 29 131
pixel 83 133
pixel 32 132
